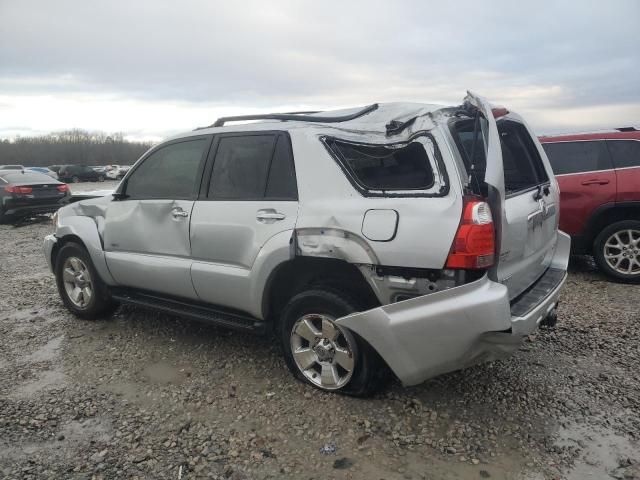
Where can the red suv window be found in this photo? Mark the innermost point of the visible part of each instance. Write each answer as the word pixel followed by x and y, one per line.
pixel 625 153
pixel 578 156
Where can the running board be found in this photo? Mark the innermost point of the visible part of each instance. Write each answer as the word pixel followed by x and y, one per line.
pixel 191 309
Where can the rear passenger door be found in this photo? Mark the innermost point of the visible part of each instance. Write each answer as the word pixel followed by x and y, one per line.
pixel 626 160
pixel 584 172
pixel 249 194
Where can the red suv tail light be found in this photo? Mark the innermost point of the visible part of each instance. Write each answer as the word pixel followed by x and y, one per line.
pixel 474 244
pixel 18 190
pixel 63 188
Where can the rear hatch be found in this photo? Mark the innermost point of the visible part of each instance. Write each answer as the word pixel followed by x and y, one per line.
pixel 507 165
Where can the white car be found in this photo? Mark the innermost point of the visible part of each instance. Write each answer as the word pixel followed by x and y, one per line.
pixel 117 172
pixel 418 236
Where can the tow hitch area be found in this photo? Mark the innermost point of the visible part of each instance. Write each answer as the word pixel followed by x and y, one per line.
pixel 551 319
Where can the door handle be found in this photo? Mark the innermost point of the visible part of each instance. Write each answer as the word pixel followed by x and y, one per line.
pixel 269 215
pixel 178 212
pixel 595 181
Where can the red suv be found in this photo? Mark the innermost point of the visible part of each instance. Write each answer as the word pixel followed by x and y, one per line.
pixel 599 177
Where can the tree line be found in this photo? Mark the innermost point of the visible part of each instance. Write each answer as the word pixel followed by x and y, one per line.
pixel 71 147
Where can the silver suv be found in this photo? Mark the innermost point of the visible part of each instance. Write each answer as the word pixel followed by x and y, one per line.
pixel 416 237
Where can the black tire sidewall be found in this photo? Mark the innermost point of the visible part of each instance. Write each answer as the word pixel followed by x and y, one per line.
pixel 100 302
pixel 336 305
pixel 598 249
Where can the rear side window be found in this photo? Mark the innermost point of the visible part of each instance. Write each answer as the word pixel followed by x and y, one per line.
pixel 253 167
pixel 625 153
pixel 390 167
pixel 577 157
pixel 169 172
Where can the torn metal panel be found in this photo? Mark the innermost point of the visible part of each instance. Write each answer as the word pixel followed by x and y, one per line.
pixel 397 287
pixel 334 243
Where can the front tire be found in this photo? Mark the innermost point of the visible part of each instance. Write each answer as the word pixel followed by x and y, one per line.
pixel 323 354
pixel 75 179
pixel 79 285
pixel 101 178
pixel 617 251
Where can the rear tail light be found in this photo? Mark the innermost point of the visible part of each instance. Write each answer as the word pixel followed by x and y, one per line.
pixel 63 188
pixel 499 112
pixel 18 190
pixel 474 244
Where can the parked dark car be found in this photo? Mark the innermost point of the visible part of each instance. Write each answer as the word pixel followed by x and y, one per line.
pixel 599 177
pixel 79 173
pixel 27 193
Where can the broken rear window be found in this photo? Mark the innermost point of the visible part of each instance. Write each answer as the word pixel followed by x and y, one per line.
pixel 402 166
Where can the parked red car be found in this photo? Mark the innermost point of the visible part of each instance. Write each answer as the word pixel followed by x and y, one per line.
pixel 599 177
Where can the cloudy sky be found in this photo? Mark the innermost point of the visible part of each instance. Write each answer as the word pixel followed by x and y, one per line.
pixel 150 68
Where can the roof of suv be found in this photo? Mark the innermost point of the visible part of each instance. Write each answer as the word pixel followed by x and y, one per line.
pixel 610 135
pixel 373 121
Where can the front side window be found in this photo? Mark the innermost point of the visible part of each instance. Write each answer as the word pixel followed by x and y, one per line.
pixel 577 157
pixel 169 172
pixel 624 153
pixel 253 167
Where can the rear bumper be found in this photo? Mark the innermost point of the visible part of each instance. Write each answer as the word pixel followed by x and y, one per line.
pixel 32 207
pixel 445 331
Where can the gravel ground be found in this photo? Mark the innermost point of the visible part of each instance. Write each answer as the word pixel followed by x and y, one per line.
pixel 143 395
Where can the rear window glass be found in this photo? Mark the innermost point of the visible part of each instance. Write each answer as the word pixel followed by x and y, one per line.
pixel 404 166
pixel 625 153
pixel 577 157
pixel 521 161
pixel 31 177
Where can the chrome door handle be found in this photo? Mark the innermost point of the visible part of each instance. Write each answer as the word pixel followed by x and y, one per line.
pixel 595 182
pixel 178 212
pixel 269 215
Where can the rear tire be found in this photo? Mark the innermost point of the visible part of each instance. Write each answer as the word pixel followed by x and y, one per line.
pixel 617 251
pixel 336 359
pixel 75 180
pixel 101 178
pixel 80 287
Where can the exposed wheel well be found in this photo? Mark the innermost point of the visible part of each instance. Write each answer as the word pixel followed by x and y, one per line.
pixel 296 275
pixel 609 215
pixel 62 241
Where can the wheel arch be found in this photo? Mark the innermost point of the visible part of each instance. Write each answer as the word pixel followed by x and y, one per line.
pixel 84 231
pixel 606 215
pixel 299 273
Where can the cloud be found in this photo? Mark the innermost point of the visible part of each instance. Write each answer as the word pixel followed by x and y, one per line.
pixel 157 66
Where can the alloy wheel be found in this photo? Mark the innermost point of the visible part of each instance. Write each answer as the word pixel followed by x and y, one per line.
pixel 622 252
pixel 323 352
pixel 77 282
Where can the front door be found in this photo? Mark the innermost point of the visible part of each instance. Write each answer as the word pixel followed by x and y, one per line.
pixel 146 237
pixel 249 197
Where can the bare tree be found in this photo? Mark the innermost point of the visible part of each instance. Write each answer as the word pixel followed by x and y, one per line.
pixel 77 147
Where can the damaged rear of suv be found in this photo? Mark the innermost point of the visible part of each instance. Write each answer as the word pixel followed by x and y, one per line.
pixel 418 237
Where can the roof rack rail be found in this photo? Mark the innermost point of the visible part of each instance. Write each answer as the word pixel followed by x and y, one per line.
pixel 295 116
pixel 627 129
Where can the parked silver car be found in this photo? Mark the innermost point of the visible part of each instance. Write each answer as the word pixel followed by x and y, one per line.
pixel 419 237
